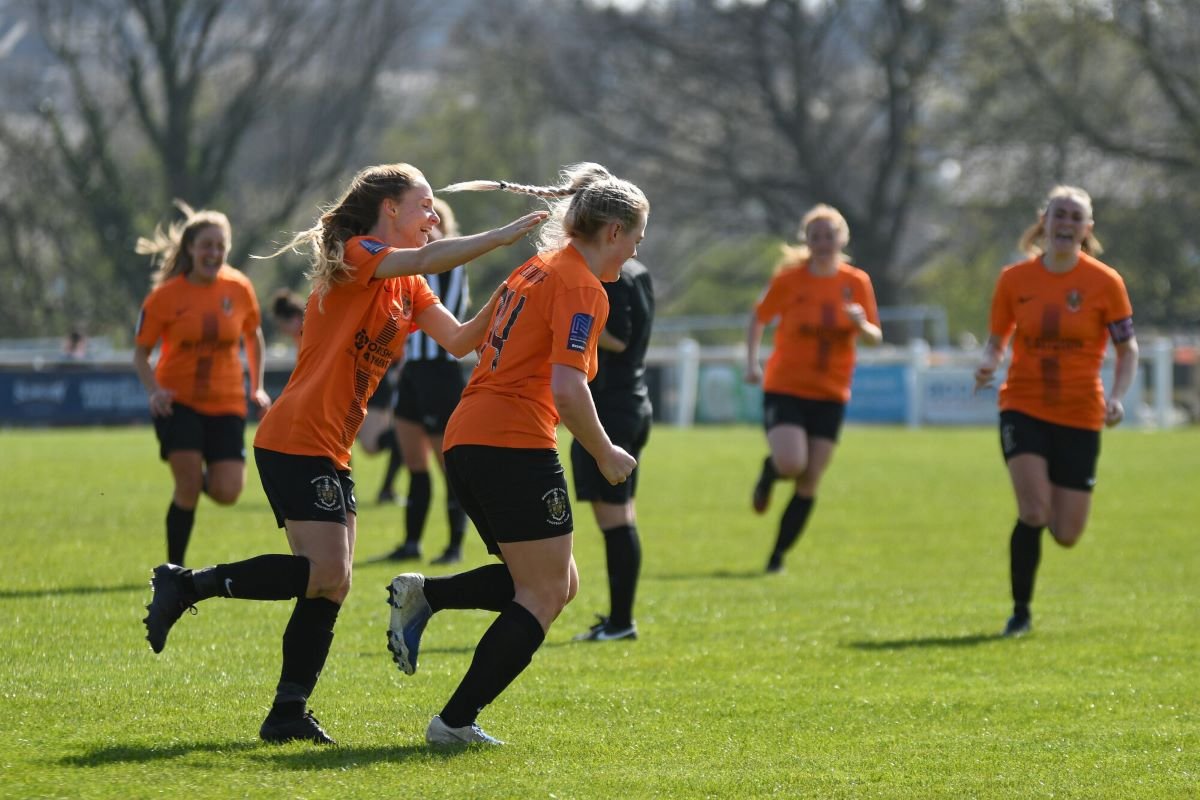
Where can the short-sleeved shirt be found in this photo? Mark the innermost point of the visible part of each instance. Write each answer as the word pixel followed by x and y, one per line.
pixel 1059 328
pixel 620 383
pixel 551 312
pixel 348 343
pixel 815 339
pixel 201 327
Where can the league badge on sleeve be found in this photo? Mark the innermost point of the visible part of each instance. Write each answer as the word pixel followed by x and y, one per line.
pixel 372 246
pixel 581 329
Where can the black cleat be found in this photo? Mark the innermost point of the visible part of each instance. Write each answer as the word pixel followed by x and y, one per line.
pixel 775 564
pixel 1017 626
pixel 170 600
pixel 451 556
pixel 301 729
pixel 405 553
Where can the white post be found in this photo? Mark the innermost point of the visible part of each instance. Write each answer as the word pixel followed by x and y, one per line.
pixel 1162 365
pixel 687 370
pixel 918 363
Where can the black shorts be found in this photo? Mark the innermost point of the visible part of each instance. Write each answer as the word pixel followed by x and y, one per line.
pixel 819 418
pixel 218 437
pixel 305 488
pixel 511 494
pixel 429 392
pixel 627 431
pixel 1071 453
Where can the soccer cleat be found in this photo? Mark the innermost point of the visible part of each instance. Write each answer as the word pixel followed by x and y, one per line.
pixel 410 613
pixel 775 564
pixel 167 605
pixel 303 729
pixel 451 556
pixel 602 631
pixel 1017 626
pixel 439 732
pixel 761 498
pixel 404 552
pixel 386 497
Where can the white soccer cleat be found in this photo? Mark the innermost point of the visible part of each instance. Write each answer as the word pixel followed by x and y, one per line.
pixel 410 613
pixel 439 732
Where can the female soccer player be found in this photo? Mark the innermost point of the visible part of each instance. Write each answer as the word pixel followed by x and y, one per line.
pixel 1060 307
pixel 823 307
pixel 203 312
pixel 368 254
pixel 501 447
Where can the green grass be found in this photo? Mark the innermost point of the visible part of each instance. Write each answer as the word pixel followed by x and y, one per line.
pixel 870 668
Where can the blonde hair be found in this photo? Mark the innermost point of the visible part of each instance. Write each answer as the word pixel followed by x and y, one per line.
pixel 168 248
pixel 354 214
pixel 447 222
pixel 795 255
pixel 587 198
pixel 1031 241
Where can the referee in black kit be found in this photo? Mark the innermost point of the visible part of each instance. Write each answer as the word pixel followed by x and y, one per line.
pixel 431 384
pixel 623 403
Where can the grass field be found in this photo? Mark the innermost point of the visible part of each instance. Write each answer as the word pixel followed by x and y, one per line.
pixel 870 668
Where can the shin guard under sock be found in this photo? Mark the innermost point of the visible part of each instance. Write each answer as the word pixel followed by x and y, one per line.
pixel 624 555
pixel 267 577
pixel 791 524
pixel 505 650
pixel 1024 553
pixel 179 532
pixel 417 509
pixel 489 588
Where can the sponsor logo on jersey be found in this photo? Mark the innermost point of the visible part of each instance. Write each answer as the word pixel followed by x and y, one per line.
pixel 373 246
pixel 581 329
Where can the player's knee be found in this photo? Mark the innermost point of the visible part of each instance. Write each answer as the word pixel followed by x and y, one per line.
pixel 1067 536
pixel 1035 513
pixel 225 494
pixel 790 466
pixel 330 579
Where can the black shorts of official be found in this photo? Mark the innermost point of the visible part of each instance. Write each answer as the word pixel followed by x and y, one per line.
pixel 818 418
pixel 627 431
pixel 511 494
pixel 1071 453
pixel 305 488
pixel 429 392
pixel 218 437
pixel 383 397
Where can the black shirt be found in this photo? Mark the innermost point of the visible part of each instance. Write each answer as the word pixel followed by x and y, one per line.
pixel 620 383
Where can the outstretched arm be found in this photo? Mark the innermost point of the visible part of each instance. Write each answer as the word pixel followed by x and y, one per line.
pixel 446 254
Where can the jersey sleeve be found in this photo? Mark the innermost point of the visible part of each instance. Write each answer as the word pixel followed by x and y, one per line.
pixel 1118 305
pixel 865 297
pixel 253 317
pixel 423 297
pixel 575 325
pixel 150 322
pixel 1002 318
pixel 770 305
pixel 365 255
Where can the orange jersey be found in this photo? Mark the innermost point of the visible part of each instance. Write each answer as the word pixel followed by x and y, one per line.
pixel 815 338
pixel 345 349
pixel 201 328
pixel 1060 320
pixel 551 313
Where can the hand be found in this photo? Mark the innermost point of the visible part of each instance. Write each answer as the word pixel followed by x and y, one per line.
pixel 856 313
pixel 616 466
pixel 753 374
pixel 1114 412
pixel 519 227
pixel 160 402
pixel 261 400
pixel 985 374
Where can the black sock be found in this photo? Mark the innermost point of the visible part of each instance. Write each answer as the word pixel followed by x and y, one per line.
pixel 306 643
pixel 457 519
pixel 388 440
pixel 489 588
pixel 268 577
pixel 791 524
pixel 624 553
pixel 179 532
pixel 505 650
pixel 1024 554
pixel 419 491
pixel 768 475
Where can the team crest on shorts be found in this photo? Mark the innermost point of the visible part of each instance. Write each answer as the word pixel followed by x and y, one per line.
pixel 327 492
pixel 557 507
pixel 1074 300
pixel 1008 437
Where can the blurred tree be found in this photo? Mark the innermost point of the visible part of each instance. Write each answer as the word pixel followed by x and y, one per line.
pixel 736 117
pixel 249 106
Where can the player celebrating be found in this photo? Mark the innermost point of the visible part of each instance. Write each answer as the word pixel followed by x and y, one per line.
pixel 1060 307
